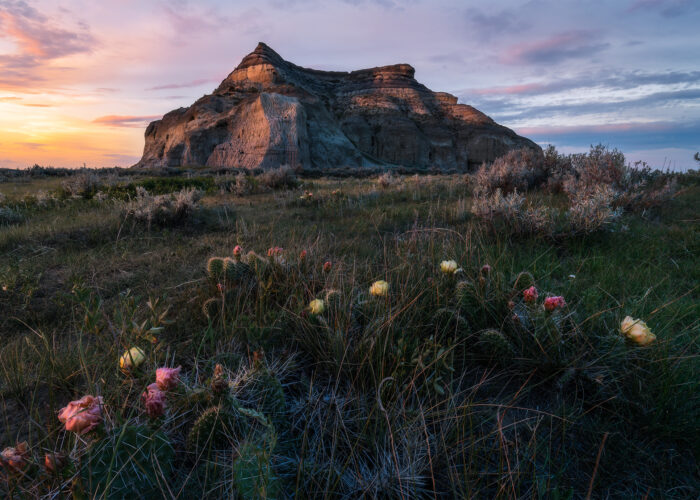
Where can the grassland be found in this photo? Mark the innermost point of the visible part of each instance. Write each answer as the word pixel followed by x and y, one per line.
pixel 450 386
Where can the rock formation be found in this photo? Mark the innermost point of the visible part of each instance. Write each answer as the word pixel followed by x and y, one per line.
pixel 269 112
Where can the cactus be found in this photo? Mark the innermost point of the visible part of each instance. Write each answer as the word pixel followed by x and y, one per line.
pixel 523 280
pixel 212 307
pixel 127 463
pixel 211 428
pixel 237 273
pixel 493 343
pixel 215 268
pixel 253 474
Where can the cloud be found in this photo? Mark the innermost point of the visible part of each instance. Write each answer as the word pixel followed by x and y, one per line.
pixel 495 25
pixel 38 40
pixel 125 121
pixel 193 83
pixel 34 146
pixel 623 80
pixel 667 8
pixel 552 50
pixel 629 136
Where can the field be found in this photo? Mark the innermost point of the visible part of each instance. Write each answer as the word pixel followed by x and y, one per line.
pixel 447 384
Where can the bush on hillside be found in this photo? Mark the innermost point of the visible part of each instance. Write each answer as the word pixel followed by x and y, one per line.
pixel 164 209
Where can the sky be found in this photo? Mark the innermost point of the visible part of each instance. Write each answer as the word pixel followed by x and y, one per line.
pixel 80 79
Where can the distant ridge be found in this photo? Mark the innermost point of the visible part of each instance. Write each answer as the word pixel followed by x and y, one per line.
pixel 269 112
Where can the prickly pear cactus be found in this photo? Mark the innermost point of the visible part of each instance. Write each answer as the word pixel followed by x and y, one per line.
pixel 129 462
pixel 494 344
pixel 210 429
pixel 237 273
pixel 215 268
pixel 253 473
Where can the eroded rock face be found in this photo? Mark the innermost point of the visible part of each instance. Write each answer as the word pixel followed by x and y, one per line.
pixel 269 112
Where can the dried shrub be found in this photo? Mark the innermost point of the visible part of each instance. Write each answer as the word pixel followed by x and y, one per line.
pixel 600 166
pixel 557 169
pixel 512 210
pixel 279 178
pixel 164 209
pixel 9 216
pixel 83 185
pixel 519 169
pixel 386 180
pixel 591 209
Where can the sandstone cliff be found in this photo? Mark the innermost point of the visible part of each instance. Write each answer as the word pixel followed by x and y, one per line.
pixel 269 112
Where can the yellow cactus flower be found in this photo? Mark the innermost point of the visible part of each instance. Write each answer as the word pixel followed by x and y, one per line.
pixel 637 331
pixel 131 359
pixel 448 266
pixel 379 288
pixel 317 306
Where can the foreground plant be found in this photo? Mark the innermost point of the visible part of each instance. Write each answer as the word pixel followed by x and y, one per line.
pixel 637 331
pixel 83 415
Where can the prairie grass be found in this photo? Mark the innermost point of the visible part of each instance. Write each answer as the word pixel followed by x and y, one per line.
pixel 450 386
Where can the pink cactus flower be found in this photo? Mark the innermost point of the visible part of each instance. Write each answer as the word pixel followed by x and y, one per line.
pixel 237 251
pixel 154 401
pixel 274 251
pixel 327 266
pixel 530 295
pixel 14 459
pixel 54 462
pixel 83 415
pixel 553 303
pixel 167 378
pixel 302 255
pixel 485 269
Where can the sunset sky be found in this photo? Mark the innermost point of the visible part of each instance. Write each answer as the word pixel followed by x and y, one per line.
pixel 80 79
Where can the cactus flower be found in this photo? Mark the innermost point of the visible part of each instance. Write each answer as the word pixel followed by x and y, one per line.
pixel 132 359
pixel 154 401
pixel 485 269
pixel 14 459
pixel 237 252
pixel 317 306
pixel 448 266
pixel 637 331
pixel 530 295
pixel 327 266
pixel 83 415
pixel 553 303
pixel 55 462
pixel 379 288
pixel 167 378
pixel 302 255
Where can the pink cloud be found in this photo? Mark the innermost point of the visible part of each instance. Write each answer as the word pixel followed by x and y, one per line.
pixel 193 83
pixel 525 88
pixel 125 121
pixel 553 49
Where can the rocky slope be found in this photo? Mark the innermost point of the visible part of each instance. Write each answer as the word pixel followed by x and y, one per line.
pixel 269 112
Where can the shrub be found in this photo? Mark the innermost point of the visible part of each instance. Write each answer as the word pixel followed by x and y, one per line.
pixel 386 180
pixel 592 209
pixel 599 166
pixel 164 209
pixel 83 185
pixel 279 178
pixel 9 216
pixel 519 169
pixel 511 210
